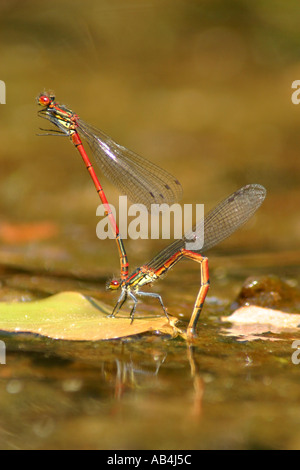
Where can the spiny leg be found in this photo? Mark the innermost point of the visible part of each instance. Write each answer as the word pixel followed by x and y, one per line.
pixel 134 306
pixel 119 304
pixel 204 286
pixel 157 296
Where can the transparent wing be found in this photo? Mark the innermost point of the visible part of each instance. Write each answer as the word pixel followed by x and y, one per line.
pixel 220 223
pixel 142 181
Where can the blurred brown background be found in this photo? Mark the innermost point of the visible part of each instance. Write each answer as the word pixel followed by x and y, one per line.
pixel 203 88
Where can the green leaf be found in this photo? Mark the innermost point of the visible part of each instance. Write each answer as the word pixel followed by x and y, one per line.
pixel 73 316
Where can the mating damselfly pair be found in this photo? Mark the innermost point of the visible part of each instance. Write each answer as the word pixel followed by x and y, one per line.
pixel 146 183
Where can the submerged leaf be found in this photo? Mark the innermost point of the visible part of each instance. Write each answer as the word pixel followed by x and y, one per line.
pixel 73 316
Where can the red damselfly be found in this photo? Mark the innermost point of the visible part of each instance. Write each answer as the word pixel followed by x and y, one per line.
pixel 142 181
pixel 219 224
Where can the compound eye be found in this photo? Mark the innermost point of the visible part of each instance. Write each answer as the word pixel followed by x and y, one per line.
pixel 45 100
pixel 114 284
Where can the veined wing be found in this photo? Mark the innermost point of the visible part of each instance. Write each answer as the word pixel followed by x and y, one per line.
pixel 142 181
pixel 219 224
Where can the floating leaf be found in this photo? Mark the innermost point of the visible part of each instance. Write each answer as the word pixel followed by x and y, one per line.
pixel 73 316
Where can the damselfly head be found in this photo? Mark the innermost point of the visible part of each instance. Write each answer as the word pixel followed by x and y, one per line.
pixel 114 284
pixel 45 99
pixel 59 115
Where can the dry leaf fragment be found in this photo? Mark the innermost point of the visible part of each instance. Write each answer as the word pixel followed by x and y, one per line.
pixel 250 322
